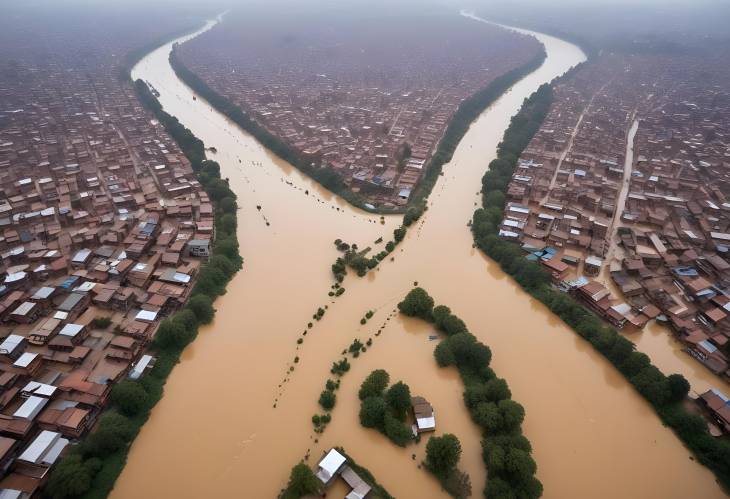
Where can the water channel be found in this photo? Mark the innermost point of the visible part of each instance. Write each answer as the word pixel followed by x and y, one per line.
pixel 216 432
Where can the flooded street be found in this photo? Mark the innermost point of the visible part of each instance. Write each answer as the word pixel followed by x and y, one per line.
pixel 216 432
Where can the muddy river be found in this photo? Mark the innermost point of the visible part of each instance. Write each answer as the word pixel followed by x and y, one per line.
pixel 216 432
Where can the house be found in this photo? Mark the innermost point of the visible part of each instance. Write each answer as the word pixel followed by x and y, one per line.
pixel 74 305
pixel 333 464
pixel 12 346
pixel 43 451
pixel 423 414
pixel 68 337
pixel 329 466
pixel 44 332
pixel 145 362
pixel 718 405
pixel 198 248
pixel 25 313
pixel 71 422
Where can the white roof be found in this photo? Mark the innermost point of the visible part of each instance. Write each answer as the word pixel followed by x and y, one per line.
pixel 24 308
pixel 71 330
pixel 426 423
pixel 25 359
pixel 31 407
pixel 140 366
pixel 45 448
pixel 11 343
pixel 38 388
pixel 60 315
pixel 146 315
pixel 330 464
pixel 43 293
pixel 81 256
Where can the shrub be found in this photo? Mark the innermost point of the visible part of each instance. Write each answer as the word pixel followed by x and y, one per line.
pixel 102 322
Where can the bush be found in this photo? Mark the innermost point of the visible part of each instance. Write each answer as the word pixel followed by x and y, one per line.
pixel 102 322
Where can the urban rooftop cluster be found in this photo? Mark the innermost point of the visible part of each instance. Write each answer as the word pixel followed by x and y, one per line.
pixel 103 226
pixel 623 195
pixel 369 98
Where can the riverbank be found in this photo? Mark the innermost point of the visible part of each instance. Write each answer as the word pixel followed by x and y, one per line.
pixel 666 394
pixel 91 468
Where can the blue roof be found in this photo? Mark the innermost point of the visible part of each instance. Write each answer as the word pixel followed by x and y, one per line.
pixel 69 281
pixel 708 346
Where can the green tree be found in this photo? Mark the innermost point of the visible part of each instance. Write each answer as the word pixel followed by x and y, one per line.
pixel 488 416
pixel 496 389
pixel 70 478
pixel 417 303
pixel 302 482
pixel 398 398
pixel 327 399
pixel 442 454
pixel 372 412
pixel 202 307
pixel 130 397
pixel 512 414
pixel 173 334
pixel 519 464
pixel 112 433
pixel 398 432
pixel 228 205
pixel 374 385
pixel 443 354
pixel 678 387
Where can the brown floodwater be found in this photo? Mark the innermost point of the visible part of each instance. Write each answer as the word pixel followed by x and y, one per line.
pixel 216 432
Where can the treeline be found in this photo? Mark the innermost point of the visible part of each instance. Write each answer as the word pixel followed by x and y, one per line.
pixel 385 408
pixel 90 469
pixel 469 109
pixel 328 178
pixel 505 450
pixel 665 393
pixel 359 261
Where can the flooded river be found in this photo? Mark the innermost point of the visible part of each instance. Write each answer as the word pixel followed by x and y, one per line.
pixel 216 432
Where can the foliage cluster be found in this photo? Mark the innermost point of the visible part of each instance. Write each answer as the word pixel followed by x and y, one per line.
pixel 385 409
pixel 488 399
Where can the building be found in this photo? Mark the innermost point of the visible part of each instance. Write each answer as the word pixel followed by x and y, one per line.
pixel 423 414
